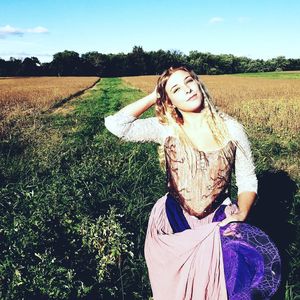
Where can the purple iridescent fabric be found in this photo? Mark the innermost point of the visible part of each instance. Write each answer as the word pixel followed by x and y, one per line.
pixel 252 263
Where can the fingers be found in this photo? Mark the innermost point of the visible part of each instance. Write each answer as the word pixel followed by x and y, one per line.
pixel 231 230
pixel 157 93
pixel 231 209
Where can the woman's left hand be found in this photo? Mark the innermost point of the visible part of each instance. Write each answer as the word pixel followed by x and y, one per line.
pixel 238 216
pixel 235 217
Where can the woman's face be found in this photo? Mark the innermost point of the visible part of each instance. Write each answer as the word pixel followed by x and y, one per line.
pixel 184 91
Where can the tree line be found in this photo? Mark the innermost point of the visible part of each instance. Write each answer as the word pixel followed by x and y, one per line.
pixel 140 62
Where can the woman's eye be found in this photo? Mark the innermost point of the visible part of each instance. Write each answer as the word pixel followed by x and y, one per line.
pixel 188 81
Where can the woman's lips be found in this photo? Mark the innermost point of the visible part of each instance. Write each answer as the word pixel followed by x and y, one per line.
pixel 192 97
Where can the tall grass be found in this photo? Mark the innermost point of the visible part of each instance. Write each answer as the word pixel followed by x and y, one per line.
pixel 67 184
pixel 65 187
pixel 27 95
pixel 269 109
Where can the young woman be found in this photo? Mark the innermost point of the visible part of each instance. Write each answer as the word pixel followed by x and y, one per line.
pixel 198 244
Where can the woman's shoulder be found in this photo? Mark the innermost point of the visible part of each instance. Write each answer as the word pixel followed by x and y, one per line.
pixel 232 122
pixel 228 118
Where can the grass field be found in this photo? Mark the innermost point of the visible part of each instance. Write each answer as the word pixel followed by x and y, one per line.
pixel 35 94
pixel 273 75
pixel 62 172
pixel 268 108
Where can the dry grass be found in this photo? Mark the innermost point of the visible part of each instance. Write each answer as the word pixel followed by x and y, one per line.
pixel 272 103
pixel 26 95
pixel 268 108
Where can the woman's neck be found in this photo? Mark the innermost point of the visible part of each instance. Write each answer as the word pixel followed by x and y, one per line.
pixel 195 120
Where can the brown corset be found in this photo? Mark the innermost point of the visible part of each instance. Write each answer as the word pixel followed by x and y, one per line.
pixel 198 180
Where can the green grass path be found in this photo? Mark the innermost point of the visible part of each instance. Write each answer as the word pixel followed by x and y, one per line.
pixel 60 176
pixel 60 172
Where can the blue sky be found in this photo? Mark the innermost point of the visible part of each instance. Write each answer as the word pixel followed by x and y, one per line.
pixel 254 28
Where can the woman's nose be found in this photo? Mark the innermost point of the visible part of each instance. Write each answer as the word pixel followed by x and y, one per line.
pixel 187 89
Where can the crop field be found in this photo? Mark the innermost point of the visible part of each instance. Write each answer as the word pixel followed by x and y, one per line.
pixel 273 103
pixel 34 94
pixel 76 199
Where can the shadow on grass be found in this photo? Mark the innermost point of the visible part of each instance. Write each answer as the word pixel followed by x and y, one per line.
pixel 276 192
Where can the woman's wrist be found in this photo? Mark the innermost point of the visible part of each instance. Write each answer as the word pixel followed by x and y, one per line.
pixel 245 202
pixel 152 97
pixel 241 215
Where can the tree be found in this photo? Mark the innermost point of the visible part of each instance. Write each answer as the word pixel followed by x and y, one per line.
pixel 140 62
pixel 30 67
pixel 13 66
pixel 98 61
pixel 3 68
pixel 66 63
pixel 137 61
pixel 280 62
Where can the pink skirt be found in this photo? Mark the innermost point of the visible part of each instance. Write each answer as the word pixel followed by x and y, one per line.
pixel 185 265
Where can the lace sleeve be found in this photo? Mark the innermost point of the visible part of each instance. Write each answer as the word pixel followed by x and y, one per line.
pixel 246 179
pixel 130 128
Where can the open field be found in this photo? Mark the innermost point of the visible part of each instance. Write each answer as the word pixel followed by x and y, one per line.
pixel 268 108
pixel 273 75
pixel 267 102
pixel 64 179
pixel 35 94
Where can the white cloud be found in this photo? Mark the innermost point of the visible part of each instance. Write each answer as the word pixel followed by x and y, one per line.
pixel 216 20
pixel 38 29
pixel 9 30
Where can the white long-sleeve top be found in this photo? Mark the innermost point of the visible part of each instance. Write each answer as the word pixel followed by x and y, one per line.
pixel 130 128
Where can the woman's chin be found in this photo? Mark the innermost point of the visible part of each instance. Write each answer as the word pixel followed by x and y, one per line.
pixel 194 105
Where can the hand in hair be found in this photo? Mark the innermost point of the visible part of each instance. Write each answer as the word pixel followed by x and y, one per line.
pixel 155 95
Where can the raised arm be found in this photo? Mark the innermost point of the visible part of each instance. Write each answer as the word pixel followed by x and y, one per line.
pixel 126 125
pixel 140 106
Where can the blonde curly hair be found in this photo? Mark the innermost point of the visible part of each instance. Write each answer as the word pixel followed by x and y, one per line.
pixel 169 115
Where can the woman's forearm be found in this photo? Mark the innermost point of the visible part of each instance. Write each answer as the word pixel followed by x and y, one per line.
pixel 139 106
pixel 245 202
